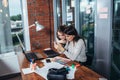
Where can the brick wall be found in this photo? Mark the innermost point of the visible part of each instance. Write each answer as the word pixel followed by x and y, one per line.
pixel 42 11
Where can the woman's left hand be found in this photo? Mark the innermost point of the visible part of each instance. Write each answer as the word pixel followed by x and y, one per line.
pixel 60 48
pixel 55 45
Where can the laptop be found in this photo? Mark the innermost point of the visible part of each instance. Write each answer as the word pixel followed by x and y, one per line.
pixel 32 55
pixel 51 53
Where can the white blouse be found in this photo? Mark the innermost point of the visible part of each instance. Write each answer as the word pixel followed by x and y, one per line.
pixel 76 51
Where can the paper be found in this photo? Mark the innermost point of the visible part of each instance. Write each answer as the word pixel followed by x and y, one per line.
pixel 103 16
pixel 47 49
pixel 102 79
pixel 44 70
pixel 61 60
pixel 27 71
pixel 69 16
pixel 103 10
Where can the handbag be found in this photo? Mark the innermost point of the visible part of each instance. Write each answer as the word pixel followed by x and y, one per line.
pixel 57 74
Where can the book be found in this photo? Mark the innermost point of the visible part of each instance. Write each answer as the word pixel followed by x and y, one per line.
pixel 61 60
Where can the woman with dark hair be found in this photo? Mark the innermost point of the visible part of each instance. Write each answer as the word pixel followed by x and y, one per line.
pixel 75 46
pixel 60 35
pixel 61 39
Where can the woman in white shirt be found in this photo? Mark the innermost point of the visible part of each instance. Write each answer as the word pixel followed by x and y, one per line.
pixel 75 46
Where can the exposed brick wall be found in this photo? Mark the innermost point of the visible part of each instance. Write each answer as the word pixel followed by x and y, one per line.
pixel 42 11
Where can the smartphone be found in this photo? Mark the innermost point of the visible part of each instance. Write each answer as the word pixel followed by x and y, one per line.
pixel 48 60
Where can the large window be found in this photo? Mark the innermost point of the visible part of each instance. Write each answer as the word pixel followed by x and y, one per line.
pixel 5 31
pixel 12 20
pixel 16 21
pixel 87 26
pixel 115 72
pixel 81 14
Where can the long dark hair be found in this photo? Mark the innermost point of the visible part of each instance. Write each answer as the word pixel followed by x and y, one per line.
pixel 70 30
pixel 61 29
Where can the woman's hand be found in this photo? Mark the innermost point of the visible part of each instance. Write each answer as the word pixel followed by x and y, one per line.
pixel 58 47
pixel 62 41
pixel 55 45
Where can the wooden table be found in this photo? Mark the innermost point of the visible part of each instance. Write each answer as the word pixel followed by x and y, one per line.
pixel 82 72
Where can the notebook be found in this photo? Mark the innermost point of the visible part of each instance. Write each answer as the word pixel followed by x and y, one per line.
pixel 51 53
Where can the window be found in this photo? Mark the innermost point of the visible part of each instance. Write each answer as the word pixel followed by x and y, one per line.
pixel 12 20
pixel 115 70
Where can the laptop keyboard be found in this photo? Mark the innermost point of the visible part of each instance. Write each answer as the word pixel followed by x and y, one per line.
pixel 50 53
pixel 30 56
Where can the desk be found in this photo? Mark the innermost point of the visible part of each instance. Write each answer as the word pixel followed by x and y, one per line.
pixel 82 72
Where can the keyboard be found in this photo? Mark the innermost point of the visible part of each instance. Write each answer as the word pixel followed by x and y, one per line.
pixel 30 56
pixel 51 53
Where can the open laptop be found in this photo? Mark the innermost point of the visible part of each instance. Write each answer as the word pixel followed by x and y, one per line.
pixel 51 53
pixel 32 55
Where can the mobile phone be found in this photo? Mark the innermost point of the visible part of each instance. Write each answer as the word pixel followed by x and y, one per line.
pixel 48 60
